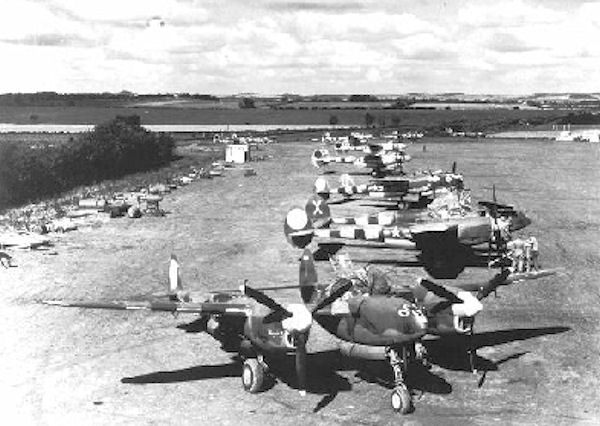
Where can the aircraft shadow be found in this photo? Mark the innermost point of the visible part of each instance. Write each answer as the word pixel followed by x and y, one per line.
pixel 439 270
pixel 451 353
pixel 202 372
pixel 323 378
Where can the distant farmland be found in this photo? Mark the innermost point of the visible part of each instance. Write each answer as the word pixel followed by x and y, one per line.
pixel 422 119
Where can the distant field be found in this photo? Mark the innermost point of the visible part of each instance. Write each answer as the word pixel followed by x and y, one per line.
pixel 164 115
pixel 35 138
pixel 336 105
pixel 469 105
pixel 186 103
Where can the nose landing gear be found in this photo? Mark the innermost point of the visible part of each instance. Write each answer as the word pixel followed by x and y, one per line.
pixel 400 398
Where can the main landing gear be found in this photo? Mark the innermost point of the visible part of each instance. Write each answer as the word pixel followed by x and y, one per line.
pixel 254 374
pixel 400 399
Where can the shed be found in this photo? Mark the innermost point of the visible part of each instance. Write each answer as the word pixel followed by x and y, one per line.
pixel 237 153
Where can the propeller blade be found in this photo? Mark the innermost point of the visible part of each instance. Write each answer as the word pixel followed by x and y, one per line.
pixel 454 167
pixel 494 193
pixel 333 296
pixel 441 291
pixel 301 362
pixel 472 351
pixel 263 299
pixel 439 307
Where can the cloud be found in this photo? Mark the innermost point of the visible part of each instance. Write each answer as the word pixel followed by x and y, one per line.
pixel 52 39
pixel 424 47
pixel 322 6
pixel 310 46
pixel 507 42
pixel 120 12
pixel 512 13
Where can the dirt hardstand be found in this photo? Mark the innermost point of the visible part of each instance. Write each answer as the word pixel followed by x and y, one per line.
pixel 539 341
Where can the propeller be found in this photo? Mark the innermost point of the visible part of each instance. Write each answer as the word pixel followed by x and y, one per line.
pixel 295 319
pixel 300 342
pixel 454 167
pixel 466 306
pixel 441 291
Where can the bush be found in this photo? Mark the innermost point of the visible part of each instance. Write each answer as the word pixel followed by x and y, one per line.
pixel 111 150
pixel 246 103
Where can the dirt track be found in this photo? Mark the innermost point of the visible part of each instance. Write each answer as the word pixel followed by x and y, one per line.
pixel 540 340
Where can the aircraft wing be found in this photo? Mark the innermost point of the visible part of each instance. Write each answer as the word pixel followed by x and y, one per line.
pixel 233 309
pixel 500 208
pixel 502 279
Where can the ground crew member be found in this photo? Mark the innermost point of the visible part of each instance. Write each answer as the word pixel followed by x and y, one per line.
pixel 516 248
pixel 532 251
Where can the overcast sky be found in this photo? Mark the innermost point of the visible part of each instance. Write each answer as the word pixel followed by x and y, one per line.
pixel 303 46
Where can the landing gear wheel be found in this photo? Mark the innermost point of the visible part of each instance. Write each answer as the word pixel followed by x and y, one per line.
pixel 401 401
pixel 253 375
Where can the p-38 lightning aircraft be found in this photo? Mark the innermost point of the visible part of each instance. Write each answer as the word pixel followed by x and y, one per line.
pixel 369 146
pixel 370 326
pixel 406 191
pixel 444 243
pixel 380 162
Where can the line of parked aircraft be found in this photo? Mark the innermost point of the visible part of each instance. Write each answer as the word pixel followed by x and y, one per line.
pixel 372 318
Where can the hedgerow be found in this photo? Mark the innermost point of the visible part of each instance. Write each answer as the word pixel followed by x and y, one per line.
pixel 111 150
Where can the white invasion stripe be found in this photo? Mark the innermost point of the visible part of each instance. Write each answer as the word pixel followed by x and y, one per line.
pixel 175 128
pixel 362 220
pixel 372 232
pixel 347 232
pixel 386 219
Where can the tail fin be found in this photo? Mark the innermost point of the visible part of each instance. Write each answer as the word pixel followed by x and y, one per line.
pixel 298 228
pixel 175 290
pixel 318 212
pixel 308 277
pixel 319 157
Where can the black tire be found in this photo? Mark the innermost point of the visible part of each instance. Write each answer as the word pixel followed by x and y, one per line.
pixel 253 375
pixel 401 400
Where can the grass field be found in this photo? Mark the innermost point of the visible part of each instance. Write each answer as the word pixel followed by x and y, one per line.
pixel 538 340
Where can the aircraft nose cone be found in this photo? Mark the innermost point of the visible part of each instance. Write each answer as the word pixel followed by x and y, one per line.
pixel 300 321
pixel 418 322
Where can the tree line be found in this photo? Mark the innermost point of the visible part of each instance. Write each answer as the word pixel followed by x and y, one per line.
pixel 111 150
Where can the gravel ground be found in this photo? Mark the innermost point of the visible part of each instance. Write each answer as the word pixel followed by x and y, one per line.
pixel 539 340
